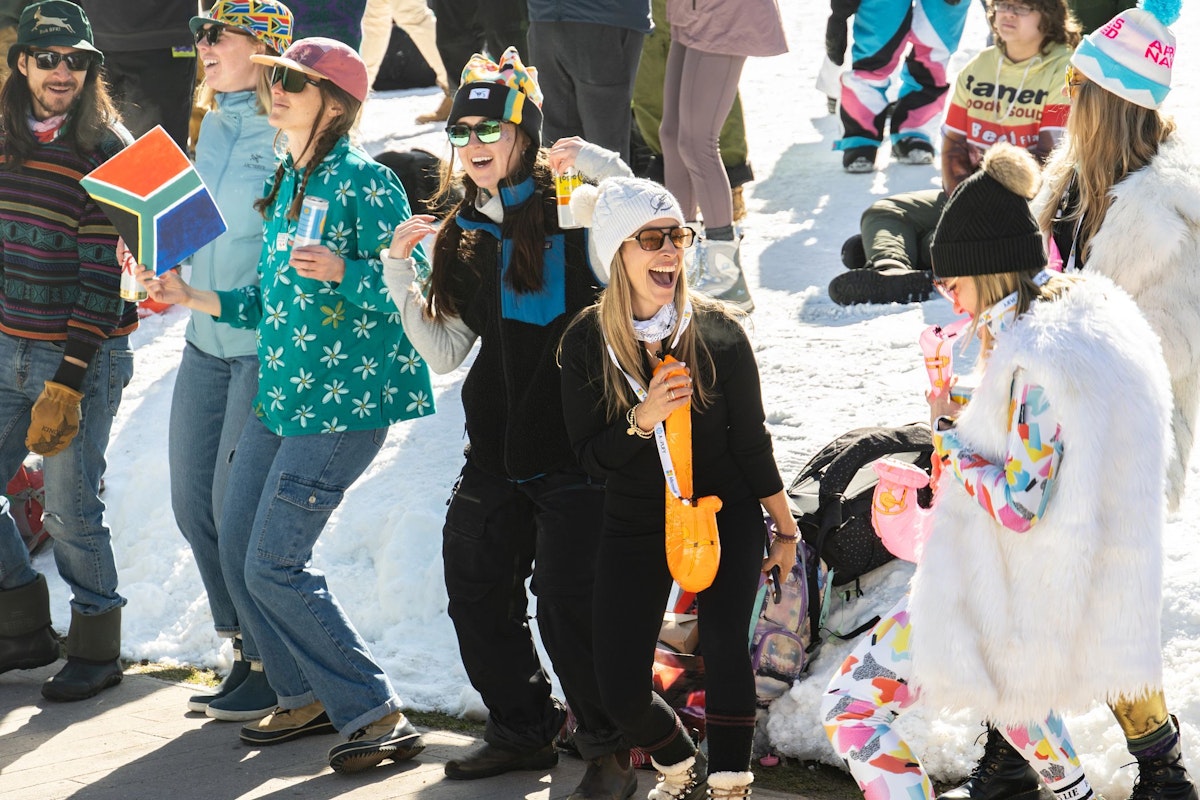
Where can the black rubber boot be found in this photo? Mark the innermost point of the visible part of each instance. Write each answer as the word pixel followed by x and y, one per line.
pixel 26 639
pixel 1002 773
pixel 1164 778
pixel 93 658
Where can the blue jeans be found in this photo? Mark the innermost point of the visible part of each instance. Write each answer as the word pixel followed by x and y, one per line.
pixel 74 512
pixel 208 411
pixel 281 492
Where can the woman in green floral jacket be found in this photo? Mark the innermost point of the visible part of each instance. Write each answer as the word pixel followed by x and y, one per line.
pixel 335 371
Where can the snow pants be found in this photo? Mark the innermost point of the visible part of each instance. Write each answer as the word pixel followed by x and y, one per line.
pixel 925 34
pixel 871 690
pixel 897 230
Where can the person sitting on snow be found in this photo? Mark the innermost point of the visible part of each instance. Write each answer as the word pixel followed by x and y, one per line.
pixel 1010 92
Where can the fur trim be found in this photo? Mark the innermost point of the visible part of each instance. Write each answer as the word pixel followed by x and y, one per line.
pixel 1014 168
pixel 1068 614
pixel 730 780
pixel 674 769
pixel 1149 245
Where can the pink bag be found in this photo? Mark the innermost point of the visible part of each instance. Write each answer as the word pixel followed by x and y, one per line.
pixel 902 525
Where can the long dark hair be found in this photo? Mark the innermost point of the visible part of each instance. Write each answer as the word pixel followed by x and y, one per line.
pixel 320 143
pixel 89 121
pixel 525 227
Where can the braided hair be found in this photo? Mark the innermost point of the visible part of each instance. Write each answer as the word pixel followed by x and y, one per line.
pixel 320 143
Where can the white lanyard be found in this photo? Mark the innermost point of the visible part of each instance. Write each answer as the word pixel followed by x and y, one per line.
pixel 660 433
pixel 997 318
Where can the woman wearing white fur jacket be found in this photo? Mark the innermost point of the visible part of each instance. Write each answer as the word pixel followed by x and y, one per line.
pixel 1039 586
pixel 1133 214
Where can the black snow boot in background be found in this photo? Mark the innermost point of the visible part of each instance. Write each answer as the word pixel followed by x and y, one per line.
pixel 26 639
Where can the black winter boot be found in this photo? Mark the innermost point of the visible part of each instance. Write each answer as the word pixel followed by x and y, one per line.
pixel 609 777
pixel 854 255
pixel 1002 773
pixel 1164 778
pixel 26 639
pixel 93 657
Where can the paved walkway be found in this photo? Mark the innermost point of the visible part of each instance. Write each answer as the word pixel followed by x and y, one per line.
pixel 137 742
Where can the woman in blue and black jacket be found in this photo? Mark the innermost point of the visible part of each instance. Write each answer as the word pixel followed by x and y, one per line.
pixel 505 273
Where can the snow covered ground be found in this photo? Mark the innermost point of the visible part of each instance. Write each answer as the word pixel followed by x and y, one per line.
pixel 825 369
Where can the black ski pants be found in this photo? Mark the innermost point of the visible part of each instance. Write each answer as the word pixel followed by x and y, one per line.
pixel 499 532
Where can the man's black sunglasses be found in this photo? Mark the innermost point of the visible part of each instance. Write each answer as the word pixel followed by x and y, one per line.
pixel 49 60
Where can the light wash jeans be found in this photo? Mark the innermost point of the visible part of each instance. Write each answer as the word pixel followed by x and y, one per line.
pixel 212 397
pixel 74 512
pixel 281 492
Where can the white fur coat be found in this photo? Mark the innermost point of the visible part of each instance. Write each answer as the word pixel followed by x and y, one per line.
pixel 1065 615
pixel 1149 245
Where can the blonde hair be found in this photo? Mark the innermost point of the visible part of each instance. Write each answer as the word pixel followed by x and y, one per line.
pixel 614 315
pixel 206 97
pixel 1107 138
pixel 991 289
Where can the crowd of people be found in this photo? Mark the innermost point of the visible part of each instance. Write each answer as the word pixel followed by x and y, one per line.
pixel 614 396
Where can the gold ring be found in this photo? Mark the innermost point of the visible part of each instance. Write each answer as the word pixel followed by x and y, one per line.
pixel 670 394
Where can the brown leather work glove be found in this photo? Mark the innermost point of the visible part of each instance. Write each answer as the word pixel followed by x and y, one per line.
pixel 54 419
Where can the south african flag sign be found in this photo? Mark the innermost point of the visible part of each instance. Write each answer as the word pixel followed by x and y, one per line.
pixel 156 200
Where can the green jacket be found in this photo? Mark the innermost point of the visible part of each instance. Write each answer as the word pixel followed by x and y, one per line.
pixel 332 357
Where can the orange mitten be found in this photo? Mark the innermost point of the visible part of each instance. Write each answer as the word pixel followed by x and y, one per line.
pixel 693 543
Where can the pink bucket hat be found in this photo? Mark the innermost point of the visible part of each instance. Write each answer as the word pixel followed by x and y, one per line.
pixel 323 58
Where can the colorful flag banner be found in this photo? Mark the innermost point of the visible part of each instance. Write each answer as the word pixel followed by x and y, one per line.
pixel 156 200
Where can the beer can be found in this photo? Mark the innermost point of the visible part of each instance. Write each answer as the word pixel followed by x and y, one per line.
pixel 312 221
pixel 130 289
pixel 565 183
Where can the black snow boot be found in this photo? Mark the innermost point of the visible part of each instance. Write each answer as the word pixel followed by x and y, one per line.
pixel 93 657
pixel 854 255
pixel 1164 778
pixel 1002 773
pixel 26 639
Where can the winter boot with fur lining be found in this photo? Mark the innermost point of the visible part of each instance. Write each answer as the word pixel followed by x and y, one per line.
pixel 730 785
pixel 687 780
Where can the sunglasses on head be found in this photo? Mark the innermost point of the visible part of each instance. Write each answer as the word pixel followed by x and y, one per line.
pixel 652 239
pixel 213 33
pixel 49 60
pixel 488 132
pixel 293 81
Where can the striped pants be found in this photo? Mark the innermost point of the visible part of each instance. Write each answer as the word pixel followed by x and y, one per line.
pixel 883 31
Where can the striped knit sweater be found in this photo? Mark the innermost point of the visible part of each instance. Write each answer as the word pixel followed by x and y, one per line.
pixel 59 278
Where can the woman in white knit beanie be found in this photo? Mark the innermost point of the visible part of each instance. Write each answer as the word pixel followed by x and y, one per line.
pixel 615 403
